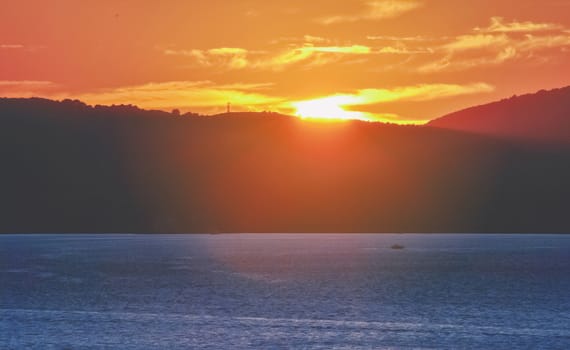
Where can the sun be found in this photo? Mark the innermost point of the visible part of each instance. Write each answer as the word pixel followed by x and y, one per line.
pixel 328 108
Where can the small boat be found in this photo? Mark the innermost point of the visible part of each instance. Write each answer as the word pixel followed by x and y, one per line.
pixel 397 247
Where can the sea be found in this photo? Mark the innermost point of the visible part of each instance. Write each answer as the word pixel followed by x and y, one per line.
pixel 285 291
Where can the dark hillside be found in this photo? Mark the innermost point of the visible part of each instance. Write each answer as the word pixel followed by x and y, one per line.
pixel 542 117
pixel 68 167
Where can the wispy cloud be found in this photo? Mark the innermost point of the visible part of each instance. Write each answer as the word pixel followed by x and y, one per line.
pixel 315 39
pixel 26 83
pixel 403 50
pixel 231 57
pixel 499 43
pixel 498 25
pixel 310 55
pixel 239 58
pixel 304 55
pixel 449 63
pixel 25 88
pixel 423 92
pixel 305 39
pixel 11 46
pixel 209 97
pixel 353 49
pixel 417 38
pixel 476 41
pixel 17 47
pixel 202 95
pixel 375 10
pixel 350 105
pixel 533 42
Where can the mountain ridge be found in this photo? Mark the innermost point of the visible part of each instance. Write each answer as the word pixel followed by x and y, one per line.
pixel 543 116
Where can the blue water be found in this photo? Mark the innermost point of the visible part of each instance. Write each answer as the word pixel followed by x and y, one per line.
pixel 284 291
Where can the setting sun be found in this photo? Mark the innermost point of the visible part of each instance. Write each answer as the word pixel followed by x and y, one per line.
pixel 254 174
pixel 328 108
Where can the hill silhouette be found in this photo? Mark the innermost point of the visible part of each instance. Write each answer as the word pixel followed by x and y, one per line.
pixel 69 167
pixel 542 117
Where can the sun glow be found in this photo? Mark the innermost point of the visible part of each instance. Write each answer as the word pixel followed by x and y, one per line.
pixel 329 108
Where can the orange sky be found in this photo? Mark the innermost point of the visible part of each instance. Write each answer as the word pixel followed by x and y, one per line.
pixel 395 60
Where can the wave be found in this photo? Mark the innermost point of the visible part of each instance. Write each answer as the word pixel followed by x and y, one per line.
pixel 305 323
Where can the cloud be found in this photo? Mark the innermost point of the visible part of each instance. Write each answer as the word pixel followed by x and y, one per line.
pixel 498 25
pixel 18 47
pixel 209 97
pixel 307 54
pixel 454 61
pixel 25 88
pixel 423 92
pixel 350 105
pixel 202 95
pixel 26 83
pixel 239 58
pixel 391 8
pixel 305 39
pixel 498 51
pixel 417 38
pixel 476 41
pixel 450 64
pixel 314 39
pixel 354 49
pixel 499 43
pixel 403 50
pixel 231 57
pixel 532 42
pixel 375 10
pixel 310 55
pixel 11 46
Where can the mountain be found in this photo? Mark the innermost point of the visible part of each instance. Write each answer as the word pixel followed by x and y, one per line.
pixel 70 167
pixel 542 117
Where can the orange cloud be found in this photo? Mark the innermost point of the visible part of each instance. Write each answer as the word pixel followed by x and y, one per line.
pixel 25 88
pixel 375 10
pixel 498 25
pixel 403 50
pixel 11 46
pixel 345 106
pixel 231 57
pixel 26 83
pixel 315 39
pixel 201 96
pixel 422 92
pixel 208 97
pixel 239 58
pixel 450 64
pixel 354 49
pixel 417 38
pixel 532 42
pixel 477 41
pixel 311 55
pixel 307 54
pixel 499 43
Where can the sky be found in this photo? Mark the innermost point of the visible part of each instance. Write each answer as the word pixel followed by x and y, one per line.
pixel 400 61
